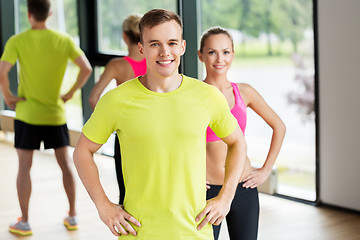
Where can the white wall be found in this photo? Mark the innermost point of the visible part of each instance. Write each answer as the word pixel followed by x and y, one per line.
pixel 339 90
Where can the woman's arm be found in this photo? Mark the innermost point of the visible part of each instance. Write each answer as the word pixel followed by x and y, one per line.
pixel 255 101
pixel 112 69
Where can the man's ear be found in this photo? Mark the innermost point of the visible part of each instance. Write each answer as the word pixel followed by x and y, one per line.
pixel 141 50
pixel 183 47
pixel 29 15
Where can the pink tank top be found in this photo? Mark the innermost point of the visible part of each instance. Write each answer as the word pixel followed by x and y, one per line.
pixel 139 68
pixel 239 112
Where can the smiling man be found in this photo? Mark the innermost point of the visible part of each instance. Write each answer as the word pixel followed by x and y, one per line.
pixel 161 120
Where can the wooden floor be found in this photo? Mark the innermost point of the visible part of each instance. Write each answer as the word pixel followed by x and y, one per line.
pixel 279 218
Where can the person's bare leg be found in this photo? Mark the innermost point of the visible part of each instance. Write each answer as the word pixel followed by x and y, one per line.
pixel 63 160
pixel 23 182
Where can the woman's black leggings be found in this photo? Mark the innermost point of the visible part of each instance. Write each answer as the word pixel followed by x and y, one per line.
pixel 243 218
pixel 118 168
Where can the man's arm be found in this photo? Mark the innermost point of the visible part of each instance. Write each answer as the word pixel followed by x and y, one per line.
pixel 84 74
pixel 116 218
pixel 9 98
pixel 217 208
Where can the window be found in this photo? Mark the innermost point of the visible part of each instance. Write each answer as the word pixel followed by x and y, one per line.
pixel 111 14
pixel 274 47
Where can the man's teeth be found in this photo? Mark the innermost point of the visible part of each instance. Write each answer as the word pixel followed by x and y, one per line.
pixel 165 62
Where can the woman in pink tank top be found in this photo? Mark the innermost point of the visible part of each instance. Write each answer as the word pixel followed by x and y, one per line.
pixel 125 68
pixel 122 70
pixel 217 52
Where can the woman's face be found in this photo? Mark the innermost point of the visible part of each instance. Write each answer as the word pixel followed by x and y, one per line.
pixel 217 54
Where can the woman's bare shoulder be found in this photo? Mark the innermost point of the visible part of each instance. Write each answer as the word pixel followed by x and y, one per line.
pixel 245 88
pixel 116 62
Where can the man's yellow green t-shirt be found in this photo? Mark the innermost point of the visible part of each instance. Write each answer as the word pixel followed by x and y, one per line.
pixel 43 57
pixel 163 147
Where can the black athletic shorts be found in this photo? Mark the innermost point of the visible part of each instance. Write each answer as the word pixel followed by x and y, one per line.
pixel 28 136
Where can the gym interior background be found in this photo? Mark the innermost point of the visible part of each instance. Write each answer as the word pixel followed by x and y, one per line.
pixel 301 55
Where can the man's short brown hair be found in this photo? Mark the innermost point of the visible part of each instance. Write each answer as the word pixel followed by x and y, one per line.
pixel 155 17
pixel 39 9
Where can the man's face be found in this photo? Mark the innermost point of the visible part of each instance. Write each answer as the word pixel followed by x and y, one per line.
pixel 162 46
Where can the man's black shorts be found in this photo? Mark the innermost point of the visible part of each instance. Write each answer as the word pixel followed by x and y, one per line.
pixel 28 136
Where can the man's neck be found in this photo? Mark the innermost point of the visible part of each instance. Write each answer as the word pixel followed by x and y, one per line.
pixel 39 26
pixel 161 85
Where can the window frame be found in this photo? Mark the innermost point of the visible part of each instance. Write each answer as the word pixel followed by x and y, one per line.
pixel 189 10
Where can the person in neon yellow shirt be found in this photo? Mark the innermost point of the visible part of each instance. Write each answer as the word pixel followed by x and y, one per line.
pixel 161 120
pixel 43 56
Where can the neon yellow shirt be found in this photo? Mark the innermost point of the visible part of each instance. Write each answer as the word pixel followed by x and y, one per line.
pixel 43 56
pixel 163 147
